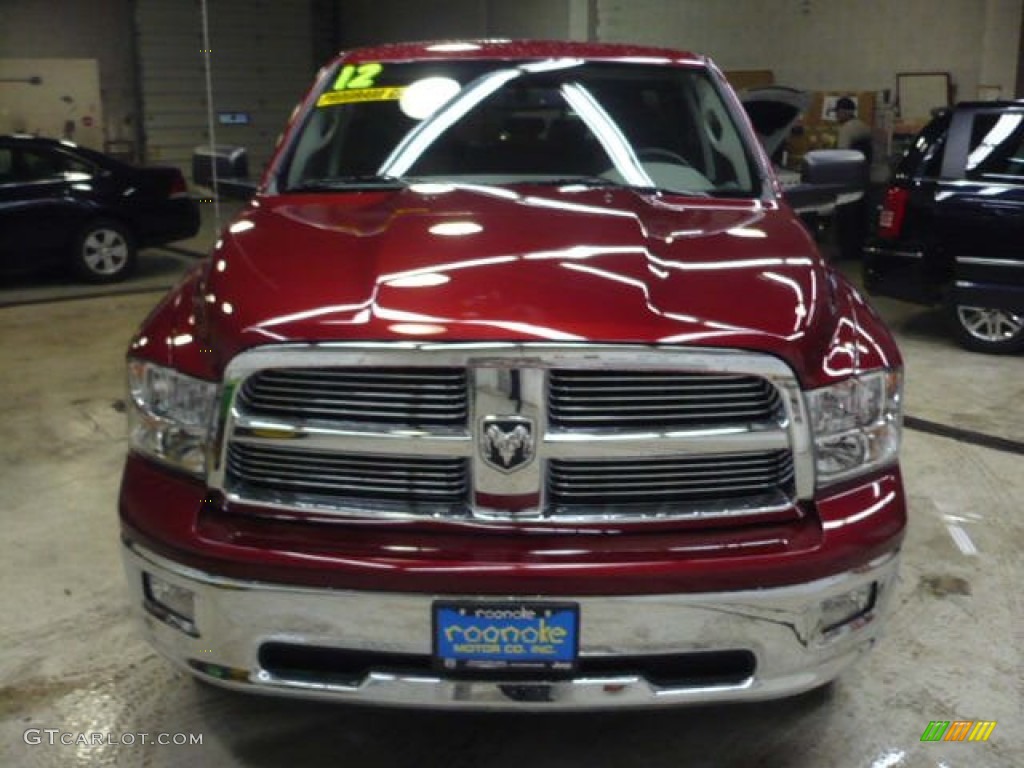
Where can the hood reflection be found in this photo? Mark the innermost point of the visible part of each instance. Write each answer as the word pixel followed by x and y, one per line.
pixel 542 263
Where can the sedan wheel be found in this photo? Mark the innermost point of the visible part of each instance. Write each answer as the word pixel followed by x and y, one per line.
pixel 989 330
pixel 105 252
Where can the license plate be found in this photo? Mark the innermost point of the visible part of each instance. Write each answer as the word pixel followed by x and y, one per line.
pixel 506 636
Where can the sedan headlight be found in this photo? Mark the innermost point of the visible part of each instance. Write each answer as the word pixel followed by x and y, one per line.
pixel 170 415
pixel 856 424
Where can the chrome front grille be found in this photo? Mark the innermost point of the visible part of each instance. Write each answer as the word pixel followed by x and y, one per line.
pixel 584 399
pixel 351 478
pixel 759 478
pixel 412 397
pixel 533 433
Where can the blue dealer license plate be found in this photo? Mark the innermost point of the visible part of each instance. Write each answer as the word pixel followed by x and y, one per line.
pixel 506 636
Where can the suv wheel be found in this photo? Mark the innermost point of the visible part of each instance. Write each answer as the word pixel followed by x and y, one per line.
pixel 104 252
pixel 988 330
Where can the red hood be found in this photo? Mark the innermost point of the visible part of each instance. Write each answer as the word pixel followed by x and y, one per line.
pixel 585 265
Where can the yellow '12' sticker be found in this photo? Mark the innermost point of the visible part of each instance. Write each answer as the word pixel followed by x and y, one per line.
pixel 362 94
pixel 361 76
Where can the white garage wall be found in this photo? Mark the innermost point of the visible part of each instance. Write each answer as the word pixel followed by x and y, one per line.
pixel 59 29
pixel 1003 35
pixel 528 18
pixel 364 22
pixel 64 104
pixel 262 63
pixel 833 44
pixel 813 44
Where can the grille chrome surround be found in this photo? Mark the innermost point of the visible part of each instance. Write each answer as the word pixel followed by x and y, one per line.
pixel 504 379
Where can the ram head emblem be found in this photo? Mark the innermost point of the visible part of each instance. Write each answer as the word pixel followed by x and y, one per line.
pixel 506 444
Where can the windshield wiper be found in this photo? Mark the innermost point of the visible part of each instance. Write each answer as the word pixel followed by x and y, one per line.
pixel 581 181
pixel 352 182
pixel 598 182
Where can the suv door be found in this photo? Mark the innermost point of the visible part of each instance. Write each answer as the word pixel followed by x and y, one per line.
pixel 979 207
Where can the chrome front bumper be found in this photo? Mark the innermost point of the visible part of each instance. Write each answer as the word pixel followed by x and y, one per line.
pixel 779 626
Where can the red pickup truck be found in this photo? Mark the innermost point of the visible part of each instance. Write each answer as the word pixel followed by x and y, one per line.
pixel 518 384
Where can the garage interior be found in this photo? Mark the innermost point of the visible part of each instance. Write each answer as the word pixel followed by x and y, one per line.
pixel 73 657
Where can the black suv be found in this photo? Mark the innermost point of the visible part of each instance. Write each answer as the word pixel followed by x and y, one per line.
pixel 951 226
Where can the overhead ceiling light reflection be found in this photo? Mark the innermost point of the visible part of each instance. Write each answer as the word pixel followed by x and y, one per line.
pixel 747 232
pixel 552 65
pixel 456 228
pixel 241 226
pixel 431 188
pixel 424 97
pixel 658 60
pixel 417 329
pixel 425 280
pixel 453 47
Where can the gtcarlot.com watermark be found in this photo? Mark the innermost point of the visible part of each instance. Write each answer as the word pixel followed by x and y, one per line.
pixel 54 736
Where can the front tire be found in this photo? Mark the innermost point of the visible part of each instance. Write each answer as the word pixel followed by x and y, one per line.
pixel 980 329
pixel 104 252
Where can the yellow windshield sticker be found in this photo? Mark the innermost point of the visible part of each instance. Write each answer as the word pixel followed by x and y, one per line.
pixel 363 94
pixel 361 76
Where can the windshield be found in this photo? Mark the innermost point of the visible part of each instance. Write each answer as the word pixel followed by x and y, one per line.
pixel 646 126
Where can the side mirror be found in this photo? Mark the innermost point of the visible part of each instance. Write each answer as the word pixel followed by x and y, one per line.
pixel 232 167
pixel 828 177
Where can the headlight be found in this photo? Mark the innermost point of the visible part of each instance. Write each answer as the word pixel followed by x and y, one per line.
pixel 170 415
pixel 856 424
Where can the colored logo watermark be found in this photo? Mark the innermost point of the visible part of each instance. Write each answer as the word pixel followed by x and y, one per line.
pixel 958 730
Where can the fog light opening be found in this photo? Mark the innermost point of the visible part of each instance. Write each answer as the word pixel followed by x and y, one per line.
pixel 171 604
pixel 842 610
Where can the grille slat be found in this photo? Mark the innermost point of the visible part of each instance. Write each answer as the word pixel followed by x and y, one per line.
pixel 723 389
pixel 403 479
pixel 413 397
pixel 602 396
pixel 288 395
pixel 658 400
pixel 667 416
pixel 575 482
pixel 656 468
pixel 615 482
pixel 262 472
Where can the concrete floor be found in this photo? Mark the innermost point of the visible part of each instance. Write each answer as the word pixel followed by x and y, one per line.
pixel 72 657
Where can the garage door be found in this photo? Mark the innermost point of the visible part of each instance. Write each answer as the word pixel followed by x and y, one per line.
pixel 262 62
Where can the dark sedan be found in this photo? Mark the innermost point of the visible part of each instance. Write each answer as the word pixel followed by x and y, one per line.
pixel 65 204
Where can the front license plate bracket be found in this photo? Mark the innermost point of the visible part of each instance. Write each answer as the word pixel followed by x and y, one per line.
pixel 515 640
